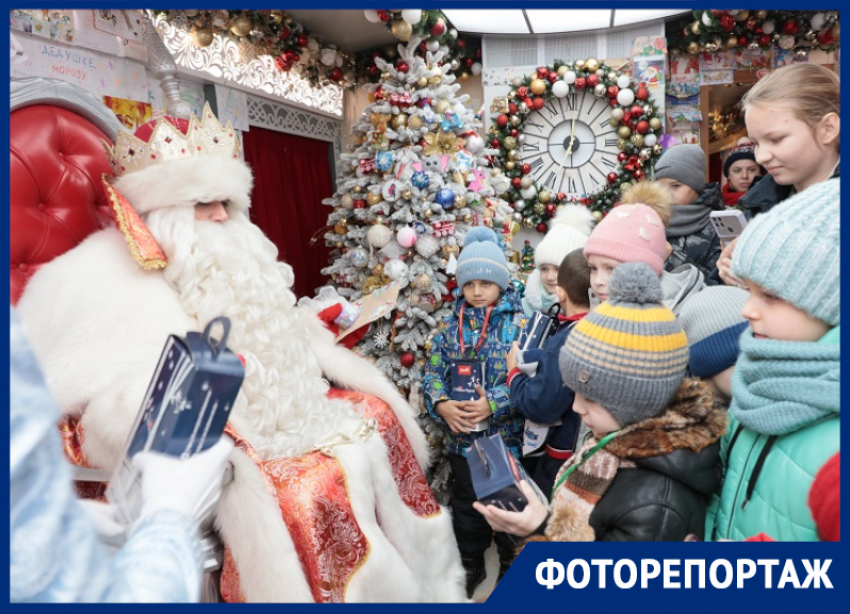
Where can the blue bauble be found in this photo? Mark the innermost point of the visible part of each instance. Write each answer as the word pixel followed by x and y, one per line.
pixel 446 198
pixel 420 180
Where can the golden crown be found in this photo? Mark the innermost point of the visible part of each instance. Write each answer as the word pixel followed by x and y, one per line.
pixel 205 137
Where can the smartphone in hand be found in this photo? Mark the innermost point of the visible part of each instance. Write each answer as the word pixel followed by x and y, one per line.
pixel 728 224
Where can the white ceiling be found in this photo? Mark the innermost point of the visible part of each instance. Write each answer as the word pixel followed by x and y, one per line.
pixel 350 30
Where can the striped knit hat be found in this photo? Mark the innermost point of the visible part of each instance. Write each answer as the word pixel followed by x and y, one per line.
pixel 630 354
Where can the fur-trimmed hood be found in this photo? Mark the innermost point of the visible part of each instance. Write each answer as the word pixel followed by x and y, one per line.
pixel 669 443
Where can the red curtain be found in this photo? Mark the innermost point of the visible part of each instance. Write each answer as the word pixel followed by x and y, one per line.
pixel 291 177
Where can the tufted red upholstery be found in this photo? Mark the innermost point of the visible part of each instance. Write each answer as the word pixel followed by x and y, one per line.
pixel 56 199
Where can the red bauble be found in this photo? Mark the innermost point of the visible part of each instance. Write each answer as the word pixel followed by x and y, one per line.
pixel 790 27
pixel 613 177
pixel 612 91
pixel 528 101
pixel 502 120
pixel 621 157
pixel 335 75
pixel 550 209
pixel 627 115
pixel 303 40
pixel 402 67
pixel 727 23
pixel 284 32
pixel 514 132
pixel 384 15
pixel 825 38
pixel 373 70
pixel 407 359
pixel 525 168
pixel 592 80
pixel 764 40
pixel 638 174
pixel 538 103
pixel 495 144
pixel 468 62
pixel 742 41
pixel 642 93
pixel 636 111
pixel 423 46
pixel 439 28
pixel 553 76
pixel 512 108
pixel 516 182
pixel 521 91
pixel 379 95
pixel 750 24
pixel 580 83
pixel 543 72
pixel 359 204
pixel 461 42
pixel 562 196
pixel 717 13
pixel 642 126
pixel 541 227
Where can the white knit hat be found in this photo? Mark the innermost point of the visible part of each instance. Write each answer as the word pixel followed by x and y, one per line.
pixel 568 231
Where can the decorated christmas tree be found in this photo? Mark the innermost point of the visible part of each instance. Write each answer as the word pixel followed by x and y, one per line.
pixel 405 199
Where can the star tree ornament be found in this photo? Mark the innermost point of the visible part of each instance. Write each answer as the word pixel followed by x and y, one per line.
pixel 409 192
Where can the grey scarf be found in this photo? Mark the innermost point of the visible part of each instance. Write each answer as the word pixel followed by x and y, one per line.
pixel 687 220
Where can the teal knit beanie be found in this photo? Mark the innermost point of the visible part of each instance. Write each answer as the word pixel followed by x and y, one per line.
pixel 794 251
pixel 482 258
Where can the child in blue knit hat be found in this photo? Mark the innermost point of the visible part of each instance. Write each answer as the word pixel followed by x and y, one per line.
pixel 785 411
pixel 487 318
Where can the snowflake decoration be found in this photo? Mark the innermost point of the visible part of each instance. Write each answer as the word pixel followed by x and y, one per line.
pixel 381 339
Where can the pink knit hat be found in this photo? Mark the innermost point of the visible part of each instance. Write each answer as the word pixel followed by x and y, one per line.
pixel 630 233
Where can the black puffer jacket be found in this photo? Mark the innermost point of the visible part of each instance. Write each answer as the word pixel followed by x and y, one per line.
pixel 765 193
pixel 701 248
pixel 664 497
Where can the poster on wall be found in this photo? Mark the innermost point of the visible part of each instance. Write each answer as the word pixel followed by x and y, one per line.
pixel 53 24
pixel 684 76
pixel 193 93
pixel 131 113
pixel 20 64
pixel 232 107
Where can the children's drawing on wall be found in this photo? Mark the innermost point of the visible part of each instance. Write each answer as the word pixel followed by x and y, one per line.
pixel 131 113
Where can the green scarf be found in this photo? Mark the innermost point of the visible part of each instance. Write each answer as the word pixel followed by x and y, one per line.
pixel 779 387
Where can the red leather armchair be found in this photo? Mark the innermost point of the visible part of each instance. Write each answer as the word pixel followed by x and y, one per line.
pixel 56 162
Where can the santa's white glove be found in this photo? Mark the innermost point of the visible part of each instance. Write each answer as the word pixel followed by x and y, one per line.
pixel 109 528
pixel 191 486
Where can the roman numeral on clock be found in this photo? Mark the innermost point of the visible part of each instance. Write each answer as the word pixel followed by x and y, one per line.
pixel 610 142
pixel 550 181
pixel 571 101
pixel 572 187
pixel 609 163
pixel 536 164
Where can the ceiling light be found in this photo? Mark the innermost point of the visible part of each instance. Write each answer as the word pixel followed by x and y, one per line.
pixel 544 22
pixel 623 18
pixel 489 21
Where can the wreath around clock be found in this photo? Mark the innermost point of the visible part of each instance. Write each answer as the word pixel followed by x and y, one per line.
pixel 634 120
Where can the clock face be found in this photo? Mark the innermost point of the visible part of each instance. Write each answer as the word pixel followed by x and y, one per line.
pixel 570 144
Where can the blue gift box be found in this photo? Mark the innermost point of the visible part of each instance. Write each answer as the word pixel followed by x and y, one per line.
pixel 185 409
pixel 496 475
pixel 540 327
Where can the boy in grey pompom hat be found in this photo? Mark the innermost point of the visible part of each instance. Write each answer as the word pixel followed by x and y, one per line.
pixel 630 354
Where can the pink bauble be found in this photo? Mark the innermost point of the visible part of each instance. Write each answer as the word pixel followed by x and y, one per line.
pixel 406 236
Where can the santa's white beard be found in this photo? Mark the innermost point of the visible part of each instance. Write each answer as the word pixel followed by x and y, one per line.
pixel 231 270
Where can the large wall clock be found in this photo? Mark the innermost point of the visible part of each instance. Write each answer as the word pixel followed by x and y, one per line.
pixel 573 133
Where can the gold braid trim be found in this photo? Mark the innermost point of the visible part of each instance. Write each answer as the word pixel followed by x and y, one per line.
pixel 157 259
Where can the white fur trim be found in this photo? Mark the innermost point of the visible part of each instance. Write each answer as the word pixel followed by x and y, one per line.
pixel 184 183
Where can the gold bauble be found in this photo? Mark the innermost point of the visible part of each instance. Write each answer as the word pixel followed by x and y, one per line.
pixel 597 216
pixel 426 213
pixel 510 165
pixel 378 270
pixel 460 202
pixel 448 250
pixel 370 96
pixel 407 194
pixel 370 284
pixel 624 132
pixel 614 122
pixel 509 142
pixel 402 29
pixel 400 120
pixel 276 15
pixel 464 76
pixel 423 81
pixel 514 154
pixel 730 43
pixel 372 198
pixel 241 26
pixel 538 86
pixel 515 120
pixel 657 149
pixel 527 223
pixel 339 245
pixel 385 76
pixel 637 140
pixel 544 196
pixel 376 118
pixel 357 189
pixel 695 28
pixel 414 122
pixel 346 202
pixel 441 106
pixel 761 14
pixel 742 16
pixel 655 124
pixel 422 281
pixel 592 64
pixel 693 47
pixel 562 70
pixel 622 144
pixel 512 94
pixel 341 227
pixel 436 80
pixel 204 37
pixel 579 65
pixel 191 12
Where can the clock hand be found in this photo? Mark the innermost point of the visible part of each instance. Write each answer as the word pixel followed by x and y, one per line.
pixel 569 151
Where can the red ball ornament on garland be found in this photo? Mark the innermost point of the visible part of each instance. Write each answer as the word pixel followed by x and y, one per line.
pixel 553 76
pixel 468 62
pixel 642 92
pixel 550 210
pixel 407 359
pixel 359 204
pixel 525 168
pixel 727 23
pixel 638 174
pixel 621 157
pixel 402 67
pixel 825 38
pixel 373 70
pixel 592 80
pixel 580 83
pixel 516 182
pixel 521 91
pixel 335 75
pixel 384 15
pixel 743 41
pixel 502 120
pixel 541 227
pixel 439 28
pixel 562 196
pixel 302 40
pixel 636 111
pixel 512 108
pixel 514 132
pixel 612 91
pixel 284 33
pixel 495 144
pixel 538 103
pixel 764 40
pixel 543 72
pixel 613 177
pixel 790 27
pixel 461 42
pixel 642 126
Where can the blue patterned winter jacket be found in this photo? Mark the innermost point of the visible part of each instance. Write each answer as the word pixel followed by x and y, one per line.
pixel 506 322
